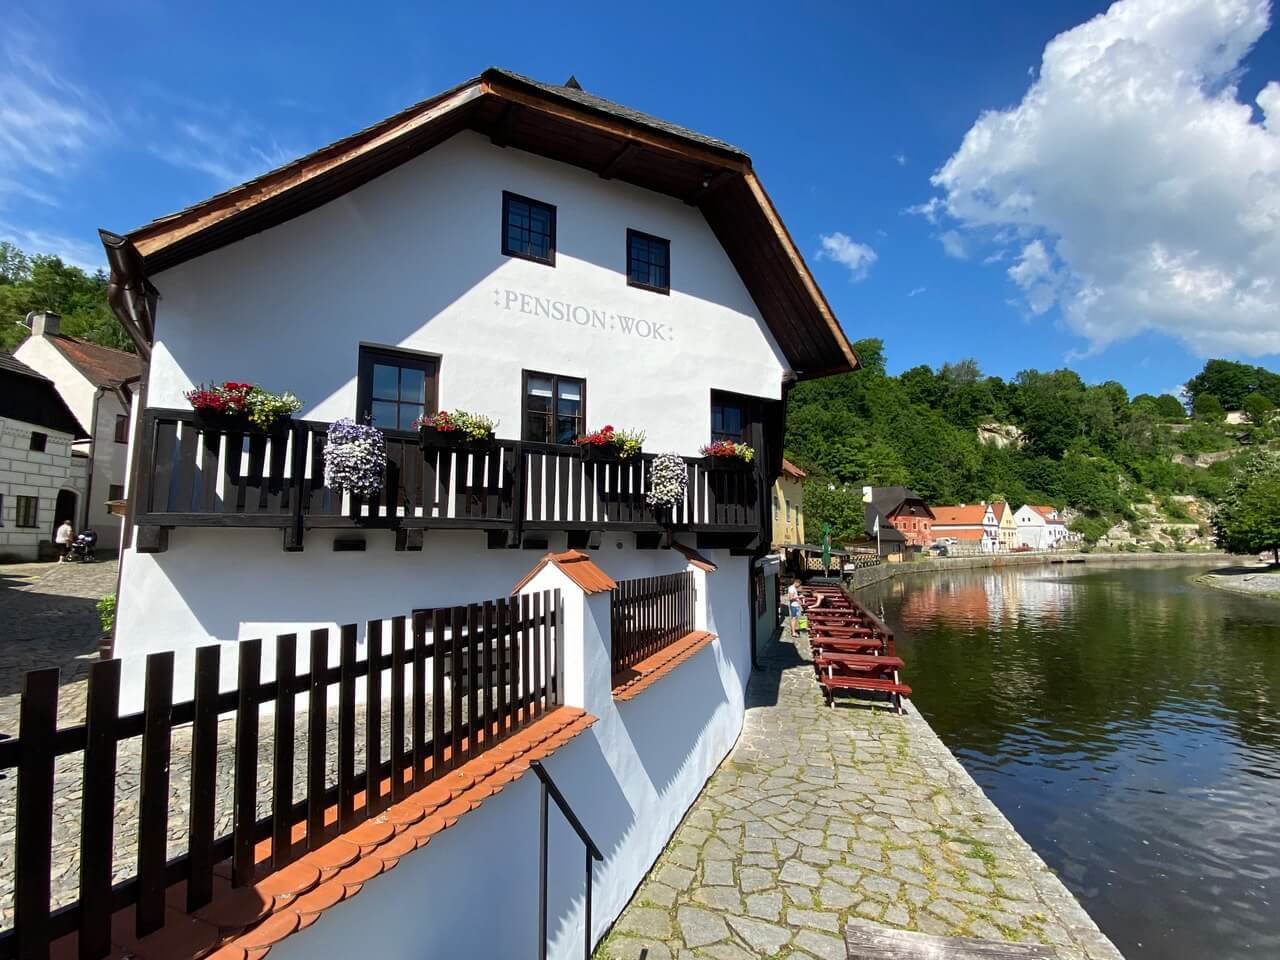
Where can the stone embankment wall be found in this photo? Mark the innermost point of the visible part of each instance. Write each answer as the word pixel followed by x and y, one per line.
pixel 886 571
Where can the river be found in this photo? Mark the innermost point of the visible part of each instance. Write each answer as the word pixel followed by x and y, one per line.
pixel 1127 721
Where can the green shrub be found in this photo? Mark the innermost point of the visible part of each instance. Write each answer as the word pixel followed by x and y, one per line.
pixel 107 613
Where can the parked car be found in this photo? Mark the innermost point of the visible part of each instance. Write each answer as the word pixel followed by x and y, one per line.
pixel 939 550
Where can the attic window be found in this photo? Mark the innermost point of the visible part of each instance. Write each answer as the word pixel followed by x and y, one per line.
pixel 38 441
pixel 528 229
pixel 648 262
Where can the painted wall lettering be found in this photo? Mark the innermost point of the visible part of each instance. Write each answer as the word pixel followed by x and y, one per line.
pixel 577 315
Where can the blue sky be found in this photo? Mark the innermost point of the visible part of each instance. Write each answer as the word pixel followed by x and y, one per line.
pixel 115 117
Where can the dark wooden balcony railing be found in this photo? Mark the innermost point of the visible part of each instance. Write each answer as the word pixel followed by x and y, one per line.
pixel 194 475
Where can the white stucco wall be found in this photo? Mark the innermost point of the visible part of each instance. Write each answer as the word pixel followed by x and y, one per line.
pixel 473 892
pixel 414 260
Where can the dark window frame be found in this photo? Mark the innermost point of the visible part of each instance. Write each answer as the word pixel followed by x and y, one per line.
pixel 122 428
pixel 22 500
pixel 555 379
pixel 507 249
pixel 370 354
pixel 720 398
pixel 115 491
pixel 39 441
pixel 649 238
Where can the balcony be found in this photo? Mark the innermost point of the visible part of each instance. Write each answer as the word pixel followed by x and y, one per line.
pixel 517 492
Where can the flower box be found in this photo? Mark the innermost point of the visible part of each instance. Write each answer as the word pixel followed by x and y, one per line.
pixel 433 438
pixel 222 421
pixel 722 464
pixel 600 453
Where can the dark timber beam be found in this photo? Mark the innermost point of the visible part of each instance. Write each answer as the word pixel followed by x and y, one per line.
pixel 712 183
pixel 152 539
pixel 500 135
pixel 409 538
pixel 610 168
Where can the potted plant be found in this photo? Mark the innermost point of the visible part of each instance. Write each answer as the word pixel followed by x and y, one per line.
pixel 355 458
pixel 221 406
pixel 456 430
pixel 238 406
pixel 727 455
pixel 610 444
pixel 668 480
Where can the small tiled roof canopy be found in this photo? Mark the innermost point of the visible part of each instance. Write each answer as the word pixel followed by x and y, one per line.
pixel 31 397
pixel 695 558
pixel 577 566
pixel 791 470
pixel 563 123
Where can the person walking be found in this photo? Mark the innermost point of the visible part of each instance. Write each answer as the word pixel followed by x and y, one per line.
pixel 63 537
pixel 794 606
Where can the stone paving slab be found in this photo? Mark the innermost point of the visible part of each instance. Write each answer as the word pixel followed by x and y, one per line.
pixel 820 815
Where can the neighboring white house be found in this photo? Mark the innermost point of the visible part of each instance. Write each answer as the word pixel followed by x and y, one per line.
pixel 1039 527
pixel 96 384
pixel 525 251
pixel 41 482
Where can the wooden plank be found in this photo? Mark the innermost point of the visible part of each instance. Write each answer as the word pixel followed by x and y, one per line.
pixel 212 441
pixel 282 752
pixel 565 465
pixel 548 664
pixel 398 755
pixel 486 686
pixel 347 728
pixel 153 802
pixel 473 676
pixel 317 735
pixel 535 646
pixel 439 620
pixel 526 658
pixel 166 440
pixel 559 646
pixel 33 842
pixel 458 619
pixel 231 471
pixel 204 777
pixel 500 632
pixel 373 718
pixel 444 473
pixel 870 941
pixel 185 488
pixel 250 492
pixel 97 808
pixel 245 814
pixel 429 463
pixel 419 699
pixel 535 487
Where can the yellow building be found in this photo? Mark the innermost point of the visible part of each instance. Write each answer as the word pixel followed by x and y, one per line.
pixel 788 505
pixel 1008 528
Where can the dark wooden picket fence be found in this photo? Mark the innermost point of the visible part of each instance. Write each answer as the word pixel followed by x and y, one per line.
pixel 196 474
pixel 503 661
pixel 648 614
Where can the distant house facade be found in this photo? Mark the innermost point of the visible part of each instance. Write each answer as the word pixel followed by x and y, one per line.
pixel 1040 527
pixel 41 482
pixel 897 518
pixel 788 505
pixel 96 383
pixel 1006 526
pixel 971 525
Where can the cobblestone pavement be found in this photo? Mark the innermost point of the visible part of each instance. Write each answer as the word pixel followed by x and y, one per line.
pixel 819 815
pixel 49 618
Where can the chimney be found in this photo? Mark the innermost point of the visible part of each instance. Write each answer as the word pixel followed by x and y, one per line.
pixel 44 323
pixel 572 83
pixel 866 494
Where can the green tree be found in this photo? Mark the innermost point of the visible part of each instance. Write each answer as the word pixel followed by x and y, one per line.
pixel 1049 407
pixel 836 504
pixel 1230 382
pixel 1258 408
pixel 1209 408
pixel 39 282
pixel 1170 407
pixel 1248 517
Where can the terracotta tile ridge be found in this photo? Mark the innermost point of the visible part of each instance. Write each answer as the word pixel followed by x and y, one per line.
pixel 628 683
pixel 695 558
pixel 244 923
pixel 577 565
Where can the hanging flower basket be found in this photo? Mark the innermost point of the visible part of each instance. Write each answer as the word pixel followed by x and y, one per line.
pixel 668 480
pixel 355 458
pixel 725 455
pixel 456 430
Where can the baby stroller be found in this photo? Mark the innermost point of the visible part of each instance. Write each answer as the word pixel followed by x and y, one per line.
pixel 82 547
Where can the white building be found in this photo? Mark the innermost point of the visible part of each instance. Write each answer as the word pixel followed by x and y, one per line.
pixel 525 251
pixel 1040 527
pixel 41 482
pixel 96 384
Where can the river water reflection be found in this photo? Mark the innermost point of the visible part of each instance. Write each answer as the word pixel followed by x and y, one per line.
pixel 1127 721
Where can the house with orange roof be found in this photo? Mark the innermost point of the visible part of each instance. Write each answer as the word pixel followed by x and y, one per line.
pixel 969 525
pixel 1040 527
pixel 1007 527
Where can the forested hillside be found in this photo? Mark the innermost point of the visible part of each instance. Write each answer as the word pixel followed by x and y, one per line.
pixel 38 282
pixel 1092 448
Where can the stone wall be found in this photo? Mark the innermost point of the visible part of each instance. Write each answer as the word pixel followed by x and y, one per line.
pixel 32 473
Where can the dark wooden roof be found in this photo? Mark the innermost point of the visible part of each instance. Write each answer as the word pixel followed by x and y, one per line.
pixel 31 397
pixel 559 122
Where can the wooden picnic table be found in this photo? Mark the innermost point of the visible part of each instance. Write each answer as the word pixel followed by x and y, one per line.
pixel 859 662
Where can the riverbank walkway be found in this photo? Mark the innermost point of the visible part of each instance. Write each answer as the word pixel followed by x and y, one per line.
pixel 822 815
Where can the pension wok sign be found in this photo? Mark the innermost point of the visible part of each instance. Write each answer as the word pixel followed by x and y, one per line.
pixel 584 317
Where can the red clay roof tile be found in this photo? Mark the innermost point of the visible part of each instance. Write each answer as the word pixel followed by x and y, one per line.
pixel 101 366
pixel 577 566
pixel 694 557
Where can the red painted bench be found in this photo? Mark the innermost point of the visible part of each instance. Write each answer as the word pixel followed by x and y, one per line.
pixel 895 689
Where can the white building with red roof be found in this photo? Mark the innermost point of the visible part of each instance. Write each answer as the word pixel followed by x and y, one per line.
pixel 1040 527
pixel 969 524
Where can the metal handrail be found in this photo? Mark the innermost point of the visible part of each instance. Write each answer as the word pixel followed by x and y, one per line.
pixel 550 789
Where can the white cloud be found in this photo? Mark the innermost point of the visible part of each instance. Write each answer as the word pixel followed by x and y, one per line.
pixel 900 158
pixel 1131 185
pixel 916 291
pixel 954 246
pixel 858 257
pixel 228 149
pixel 47 124
pixel 85 254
